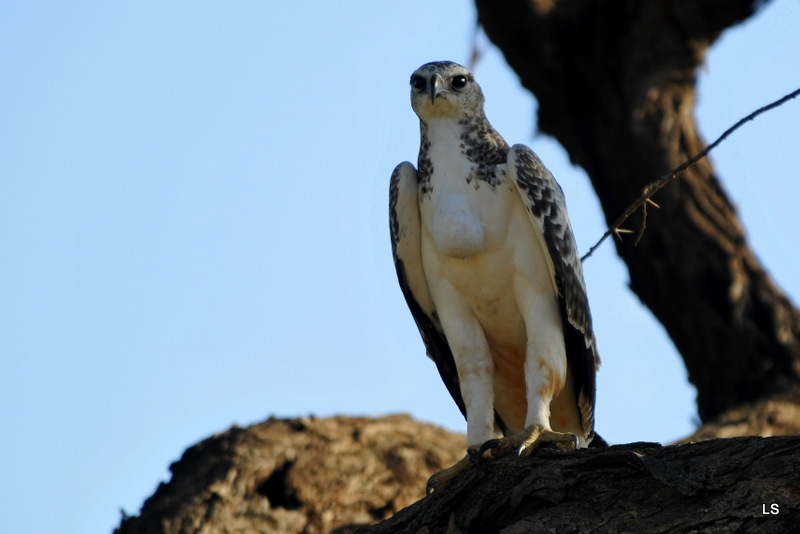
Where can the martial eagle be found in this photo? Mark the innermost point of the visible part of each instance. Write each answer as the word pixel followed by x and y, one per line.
pixel 488 265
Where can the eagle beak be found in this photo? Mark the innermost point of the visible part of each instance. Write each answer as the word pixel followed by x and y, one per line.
pixel 435 87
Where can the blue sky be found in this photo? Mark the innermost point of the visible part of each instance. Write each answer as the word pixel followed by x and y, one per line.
pixel 194 233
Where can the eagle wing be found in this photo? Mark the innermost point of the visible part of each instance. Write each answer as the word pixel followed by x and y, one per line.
pixel 405 228
pixel 546 209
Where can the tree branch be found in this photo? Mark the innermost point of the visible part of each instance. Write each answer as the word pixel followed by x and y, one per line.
pixel 721 485
pixel 657 185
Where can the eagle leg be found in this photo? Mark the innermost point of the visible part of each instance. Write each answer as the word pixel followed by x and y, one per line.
pixel 527 441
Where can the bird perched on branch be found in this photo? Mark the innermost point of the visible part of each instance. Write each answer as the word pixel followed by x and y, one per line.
pixel 488 265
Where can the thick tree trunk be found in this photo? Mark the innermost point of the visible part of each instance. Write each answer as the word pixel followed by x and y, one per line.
pixel 615 81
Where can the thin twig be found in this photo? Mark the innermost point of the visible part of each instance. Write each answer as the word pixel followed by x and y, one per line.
pixel 656 186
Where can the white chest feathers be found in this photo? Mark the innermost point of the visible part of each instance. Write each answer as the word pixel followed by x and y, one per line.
pixel 457 231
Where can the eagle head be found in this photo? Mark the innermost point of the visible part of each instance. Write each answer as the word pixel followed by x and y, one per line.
pixel 445 89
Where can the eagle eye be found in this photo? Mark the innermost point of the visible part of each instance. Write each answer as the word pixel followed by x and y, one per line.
pixel 418 82
pixel 460 81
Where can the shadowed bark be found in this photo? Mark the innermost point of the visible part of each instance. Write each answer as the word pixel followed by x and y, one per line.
pixel 732 485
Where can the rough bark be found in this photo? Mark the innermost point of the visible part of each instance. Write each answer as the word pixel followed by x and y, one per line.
pixel 339 474
pixel 615 82
pixel 723 485
pixel 298 475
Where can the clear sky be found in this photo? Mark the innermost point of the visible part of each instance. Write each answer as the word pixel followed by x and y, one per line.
pixel 194 230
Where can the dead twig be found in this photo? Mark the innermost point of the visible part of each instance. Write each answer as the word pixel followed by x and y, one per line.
pixel 656 186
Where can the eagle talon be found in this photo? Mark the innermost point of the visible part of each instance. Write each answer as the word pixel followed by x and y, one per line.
pixel 475 455
pixel 441 479
pixel 535 436
pixel 431 485
pixel 492 445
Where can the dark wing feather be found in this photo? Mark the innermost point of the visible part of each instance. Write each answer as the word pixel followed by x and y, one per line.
pixel 546 206
pixel 404 223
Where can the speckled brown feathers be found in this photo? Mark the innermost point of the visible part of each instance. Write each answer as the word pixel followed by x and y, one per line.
pixel 484 147
pixel 424 164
